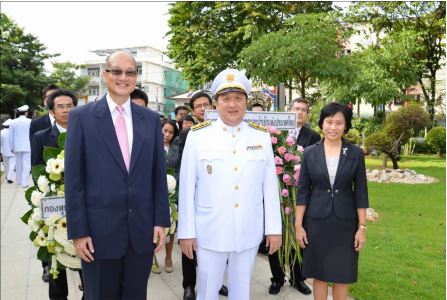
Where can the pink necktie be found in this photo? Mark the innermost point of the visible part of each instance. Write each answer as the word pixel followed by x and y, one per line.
pixel 121 134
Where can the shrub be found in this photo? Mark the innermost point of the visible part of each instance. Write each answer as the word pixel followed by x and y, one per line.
pixel 436 138
pixel 353 136
pixel 421 146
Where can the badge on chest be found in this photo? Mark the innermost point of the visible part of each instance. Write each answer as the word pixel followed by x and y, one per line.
pixel 254 148
pixel 209 169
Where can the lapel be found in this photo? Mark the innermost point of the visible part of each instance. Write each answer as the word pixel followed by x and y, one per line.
pixel 138 134
pixel 107 132
pixel 301 136
pixel 321 158
pixel 54 134
pixel 344 153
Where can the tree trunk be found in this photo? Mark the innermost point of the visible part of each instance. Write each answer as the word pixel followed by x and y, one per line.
pixel 290 90
pixel 303 87
pixel 431 104
pixel 384 160
pixel 394 160
pixel 359 101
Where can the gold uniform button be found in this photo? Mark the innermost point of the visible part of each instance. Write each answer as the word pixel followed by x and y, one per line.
pixel 234 135
pixel 225 129
pixel 234 151
pixel 235 168
pixel 236 205
pixel 236 187
pixel 238 129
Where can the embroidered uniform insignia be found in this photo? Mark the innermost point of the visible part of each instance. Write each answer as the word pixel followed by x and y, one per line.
pixel 201 125
pixel 209 169
pixel 253 148
pixel 257 126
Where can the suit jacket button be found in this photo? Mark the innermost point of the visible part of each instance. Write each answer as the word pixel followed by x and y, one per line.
pixel 336 191
pixel 328 191
pixel 130 211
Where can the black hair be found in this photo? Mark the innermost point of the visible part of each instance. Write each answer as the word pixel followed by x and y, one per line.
pixel 199 95
pixel 182 107
pixel 49 88
pixel 139 94
pixel 186 118
pixel 58 93
pixel 172 123
pixel 257 105
pixel 331 109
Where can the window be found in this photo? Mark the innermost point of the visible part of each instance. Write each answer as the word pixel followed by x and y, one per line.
pixel 139 70
pixel 93 72
pixel 93 91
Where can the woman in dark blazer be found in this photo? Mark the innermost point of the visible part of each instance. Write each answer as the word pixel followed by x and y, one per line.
pixel 331 206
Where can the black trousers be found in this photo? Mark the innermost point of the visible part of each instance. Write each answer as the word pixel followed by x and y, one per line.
pixel 278 274
pixel 189 270
pixel 58 288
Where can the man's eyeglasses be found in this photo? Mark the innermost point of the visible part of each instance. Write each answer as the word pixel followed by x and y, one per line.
pixel 119 72
pixel 62 106
pixel 295 109
pixel 204 106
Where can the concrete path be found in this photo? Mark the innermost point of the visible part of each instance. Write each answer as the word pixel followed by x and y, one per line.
pixel 21 271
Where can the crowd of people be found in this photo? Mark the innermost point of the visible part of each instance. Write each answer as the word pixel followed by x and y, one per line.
pixel 117 152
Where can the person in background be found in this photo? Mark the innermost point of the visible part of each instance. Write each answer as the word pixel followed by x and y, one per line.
pixel 304 137
pixel 9 159
pixel 139 97
pixel 186 122
pixel 59 104
pixel 200 102
pixel 257 107
pixel 228 197
pixel 45 121
pixel 116 194
pixel 180 112
pixel 19 144
pixel 332 199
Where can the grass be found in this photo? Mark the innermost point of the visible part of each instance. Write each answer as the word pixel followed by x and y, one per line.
pixel 405 252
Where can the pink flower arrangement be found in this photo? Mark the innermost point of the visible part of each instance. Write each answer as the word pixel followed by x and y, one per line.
pixel 288 157
pixel 286 178
pixel 274 140
pixel 282 150
pixel 285 193
pixel 290 141
pixel 279 170
pixel 287 210
pixel 278 161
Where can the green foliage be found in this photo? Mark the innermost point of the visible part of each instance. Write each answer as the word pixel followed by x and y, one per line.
pixel 21 67
pixel 206 36
pixel 421 146
pixel 61 140
pixel 353 136
pixel 425 22
pixel 43 254
pixel 378 141
pixel 26 216
pixel 50 152
pixel 36 171
pixel 436 138
pixel 64 75
pixel 304 51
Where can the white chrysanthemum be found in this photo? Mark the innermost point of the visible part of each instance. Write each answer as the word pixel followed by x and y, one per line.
pixel 52 219
pixel 35 198
pixel 58 249
pixel 171 183
pixel 53 187
pixel 55 166
pixel 36 216
pixel 43 184
pixel 40 241
pixel 68 260
pixel 62 224
pixel 34 226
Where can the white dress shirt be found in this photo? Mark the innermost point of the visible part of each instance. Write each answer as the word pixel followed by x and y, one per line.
pixel 127 114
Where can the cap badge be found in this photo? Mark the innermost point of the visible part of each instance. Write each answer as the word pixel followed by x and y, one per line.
pixel 209 169
pixel 230 77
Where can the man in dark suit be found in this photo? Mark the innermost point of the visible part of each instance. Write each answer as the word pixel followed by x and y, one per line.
pixel 115 187
pixel 59 103
pixel 304 137
pixel 45 121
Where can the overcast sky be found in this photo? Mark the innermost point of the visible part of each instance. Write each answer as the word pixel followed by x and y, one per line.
pixel 72 29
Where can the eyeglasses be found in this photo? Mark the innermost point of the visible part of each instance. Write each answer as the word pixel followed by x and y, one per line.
pixel 119 72
pixel 204 105
pixel 304 110
pixel 62 106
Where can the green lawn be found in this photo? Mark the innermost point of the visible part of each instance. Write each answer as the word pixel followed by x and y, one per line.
pixel 405 252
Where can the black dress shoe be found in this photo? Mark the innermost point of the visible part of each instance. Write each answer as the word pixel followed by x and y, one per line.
pixel 46 274
pixel 10 181
pixel 275 287
pixel 189 293
pixel 302 287
pixel 223 291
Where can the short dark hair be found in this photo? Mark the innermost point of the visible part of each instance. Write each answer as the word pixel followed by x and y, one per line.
pixel 331 109
pixel 299 100
pixel 178 108
pixel 257 105
pixel 186 118
pixel 58 93
pixel 199 95
pixel 139 94
pixel 172 123
pixel 49 88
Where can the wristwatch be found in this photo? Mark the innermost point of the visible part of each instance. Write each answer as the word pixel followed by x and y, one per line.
pixel 363 226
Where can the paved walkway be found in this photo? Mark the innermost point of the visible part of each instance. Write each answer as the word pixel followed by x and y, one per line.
pixel 21 271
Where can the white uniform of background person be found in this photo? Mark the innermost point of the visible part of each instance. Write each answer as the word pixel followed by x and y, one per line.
pixel 228 184
pixel 9 160
pixel 20 146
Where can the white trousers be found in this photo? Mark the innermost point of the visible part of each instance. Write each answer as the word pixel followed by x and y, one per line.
pixel 23 167
pixel 9 162
pixel 211 267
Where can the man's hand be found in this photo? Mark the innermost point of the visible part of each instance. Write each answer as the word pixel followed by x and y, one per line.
pixel 159 237
pixel 188 245
pixel 84 248
pixel 273 242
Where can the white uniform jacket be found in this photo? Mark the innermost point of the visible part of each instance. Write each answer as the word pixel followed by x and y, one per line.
pixel 5 149
pixel 229 195
pixel 19 134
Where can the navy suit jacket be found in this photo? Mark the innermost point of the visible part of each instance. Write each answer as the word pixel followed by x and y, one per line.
pixel 105 201
pixel 350 186
pixel 38 124
pixel 46 137
pixel 307 137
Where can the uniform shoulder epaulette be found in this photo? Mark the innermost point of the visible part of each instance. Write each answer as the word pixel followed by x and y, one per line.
pixel 201 125
pixel 257 126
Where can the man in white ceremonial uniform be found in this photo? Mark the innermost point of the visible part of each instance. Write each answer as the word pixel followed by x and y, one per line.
pixel 20 145
pixel 228 195
pixel 9 159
